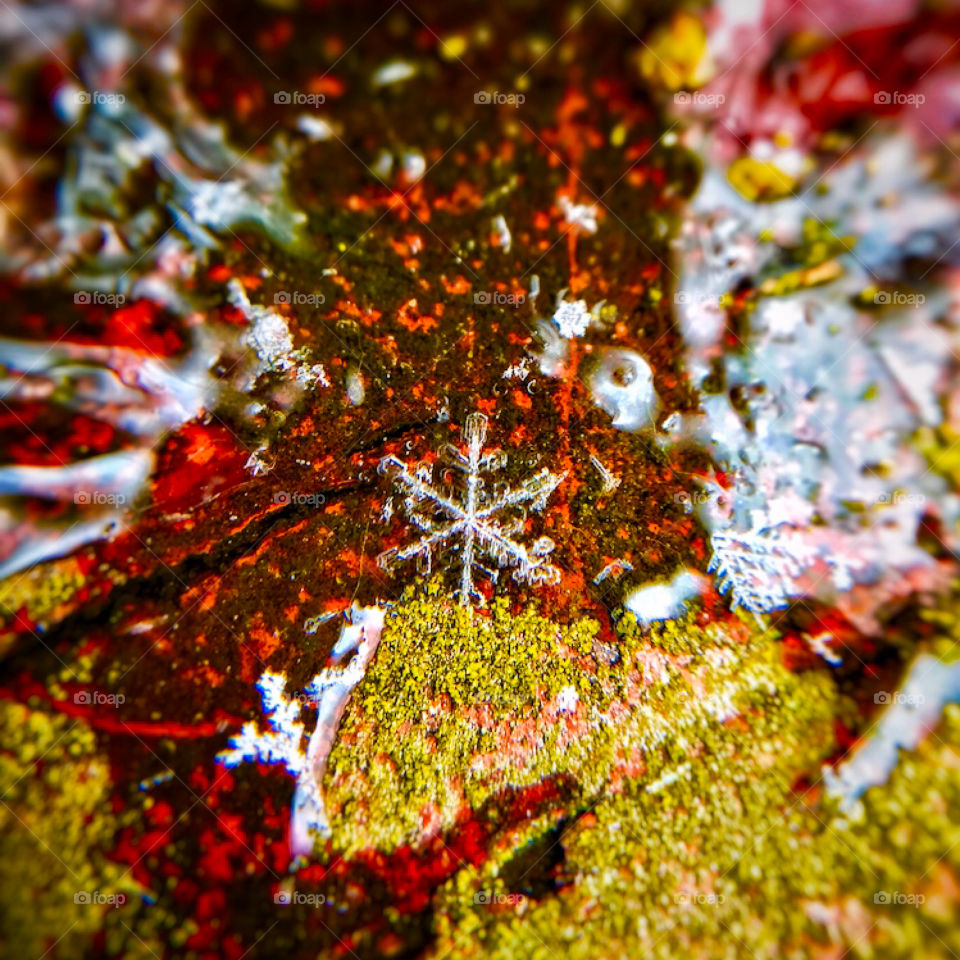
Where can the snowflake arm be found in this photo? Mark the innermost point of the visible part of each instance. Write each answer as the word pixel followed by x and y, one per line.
pixel 535 491
pixel 580 215
pixel 283 743
pixel 759 567
pixel 419 488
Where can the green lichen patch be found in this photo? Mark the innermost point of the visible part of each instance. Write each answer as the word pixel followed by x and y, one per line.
pixel 56 824
pixel 42 589
pixel 460 711
pixel 732 861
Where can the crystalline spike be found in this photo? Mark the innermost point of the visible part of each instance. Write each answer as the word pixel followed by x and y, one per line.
pixel 390 465
pixel 388 559
pixel 453 456
pixel 475 431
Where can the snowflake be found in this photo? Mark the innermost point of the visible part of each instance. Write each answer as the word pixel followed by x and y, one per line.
pixel 610 480
pixel 580 215
pixel 257 464
pixel 572 318
pixel 480 523
pixel 519 370
pixel 819 643
pixel 759 567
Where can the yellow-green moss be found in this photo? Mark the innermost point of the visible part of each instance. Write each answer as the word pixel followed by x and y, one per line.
pixel 942 452
pixel 760 180
pixel 687 830
pixel 457 707
pixel 56 824
pixel 41 589
pixel 768 867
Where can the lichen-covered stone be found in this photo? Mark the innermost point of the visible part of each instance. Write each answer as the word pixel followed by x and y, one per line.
pixel 56 826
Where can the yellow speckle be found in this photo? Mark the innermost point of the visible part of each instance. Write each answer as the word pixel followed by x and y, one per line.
pixel 759 179
pixel 676 55
pixel 453 46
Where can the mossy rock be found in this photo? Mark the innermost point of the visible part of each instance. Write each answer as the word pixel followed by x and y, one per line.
pixel 56 826
pixel 461 712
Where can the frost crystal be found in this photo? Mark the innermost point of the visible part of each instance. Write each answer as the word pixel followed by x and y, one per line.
pixel 610 480
pixel 759 567
pixel 572 318
pixel 478 522
pixel 831 395
pixel 270 338
pixel 580 215
pixel 283 744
